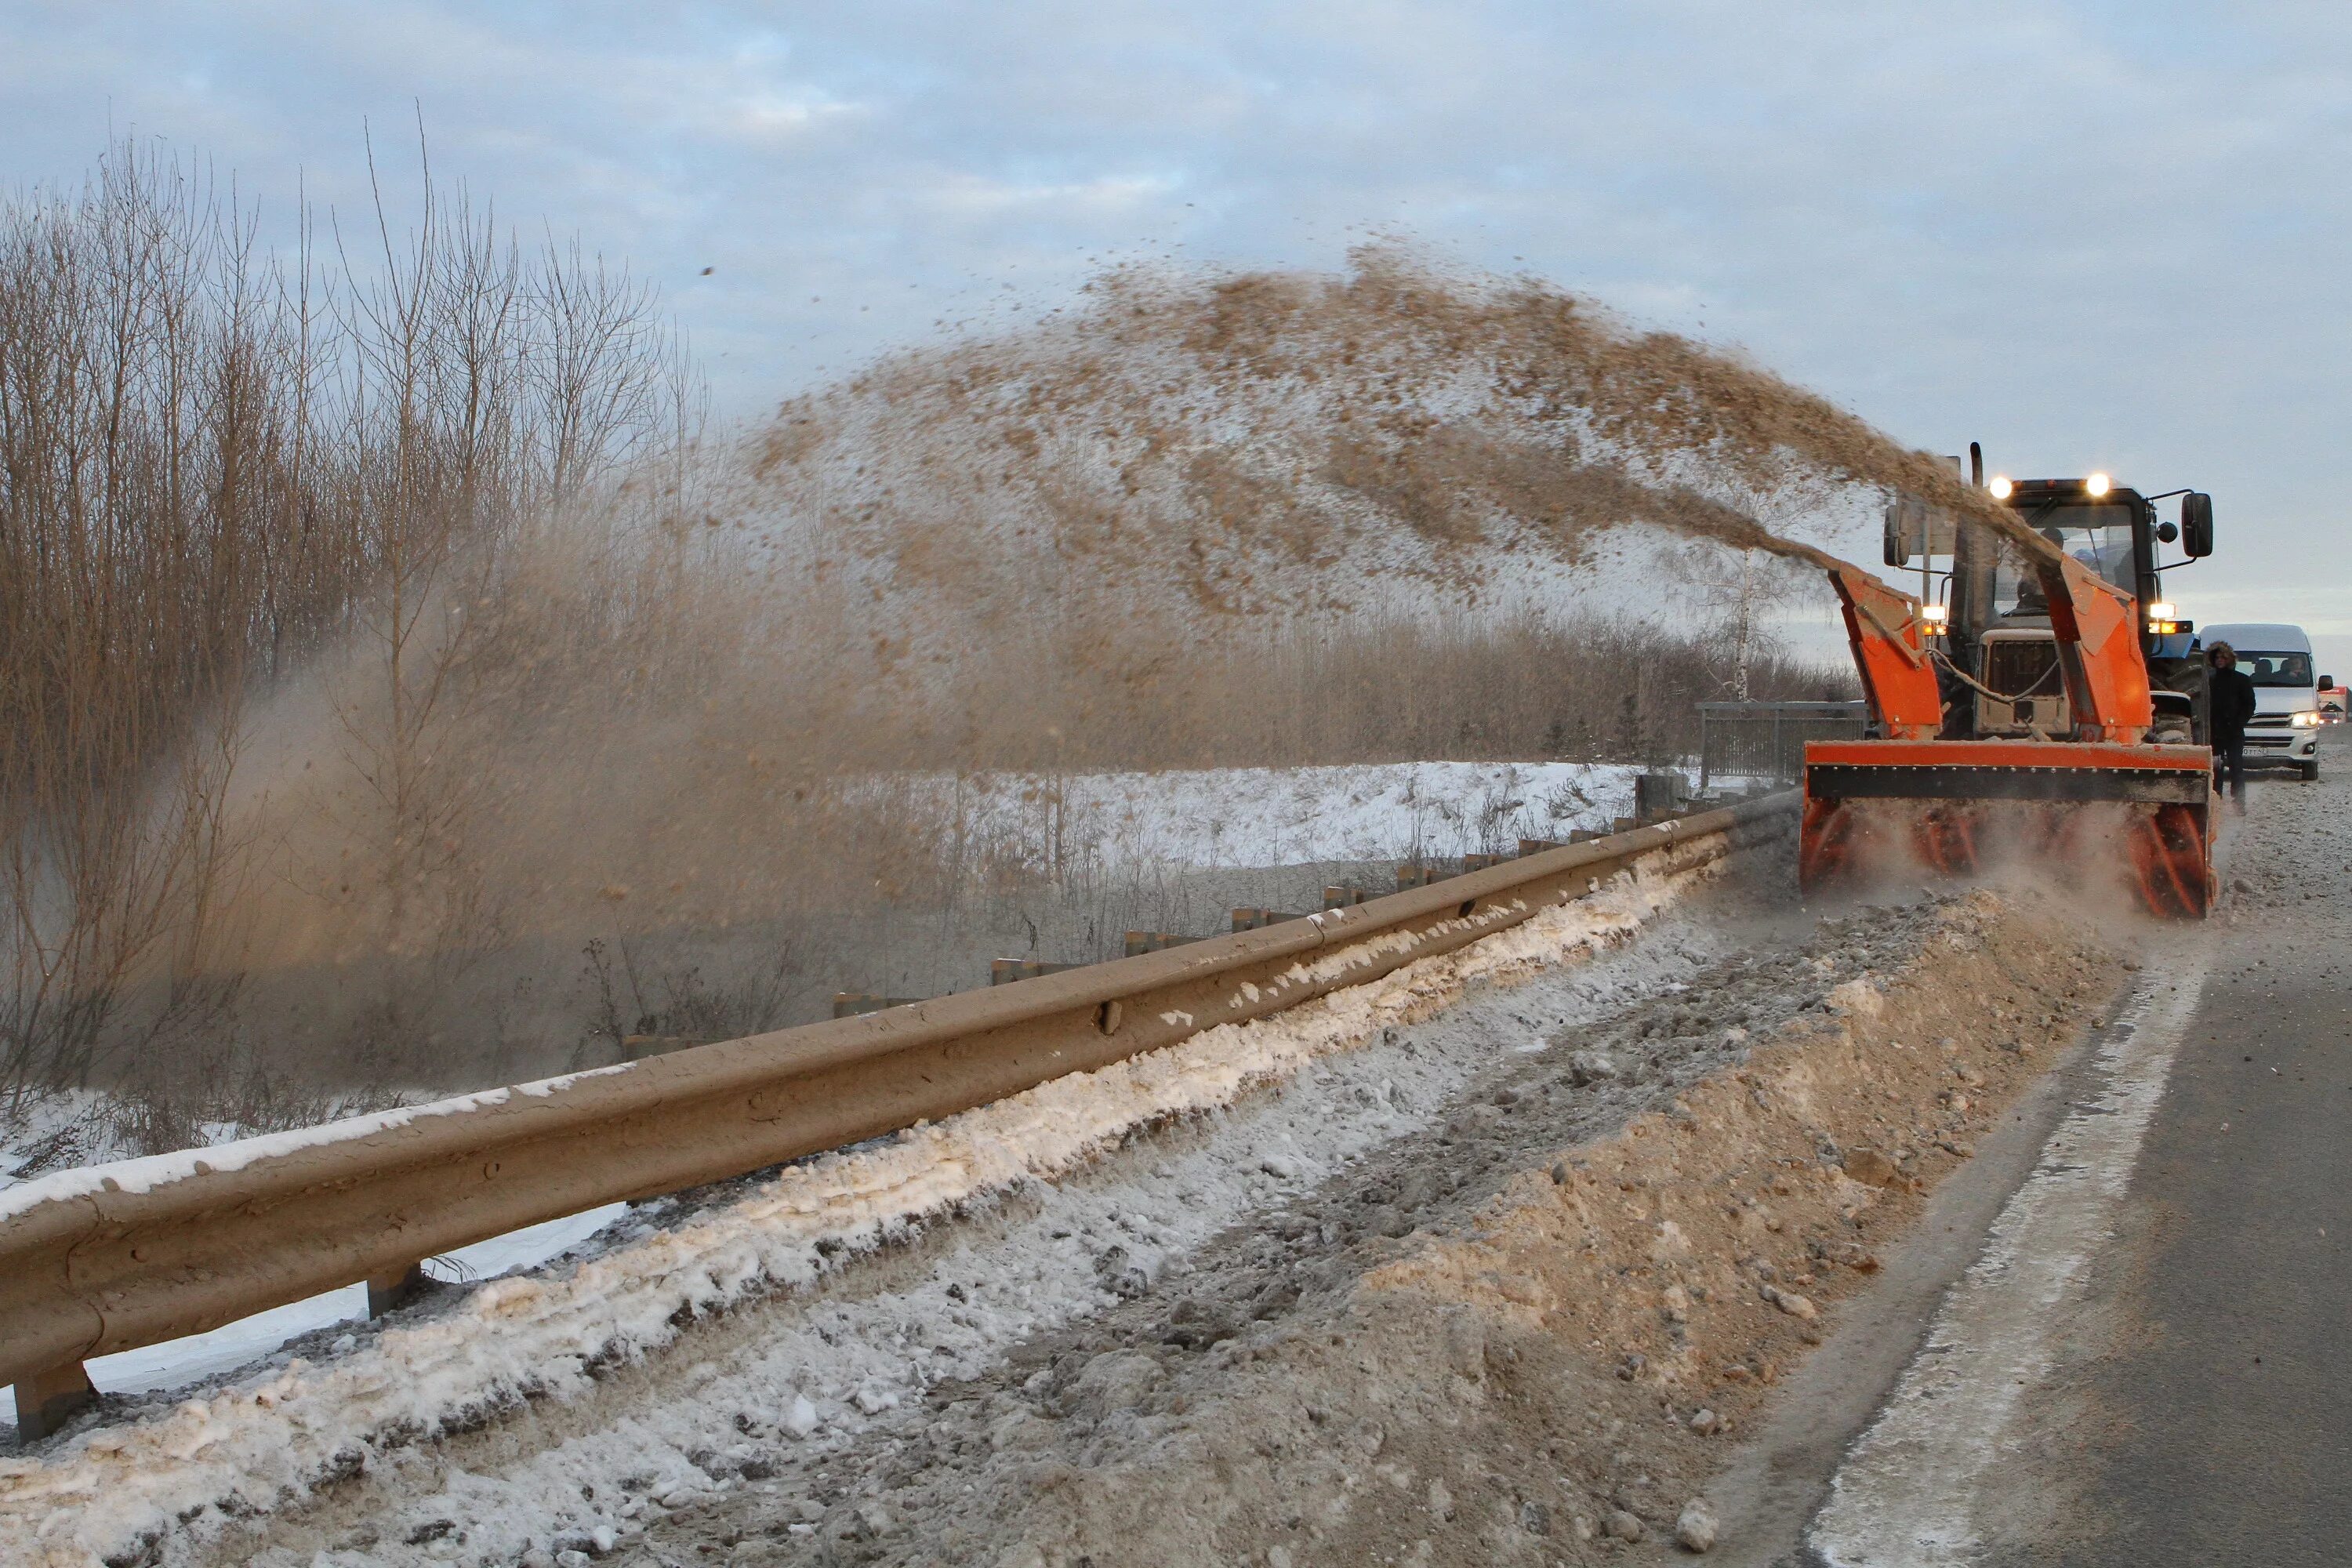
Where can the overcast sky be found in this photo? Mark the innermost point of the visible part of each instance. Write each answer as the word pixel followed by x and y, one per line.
pixel 2089 235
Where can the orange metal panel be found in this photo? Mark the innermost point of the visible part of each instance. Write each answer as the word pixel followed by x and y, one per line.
pixel 2097 627
pixel 1890 654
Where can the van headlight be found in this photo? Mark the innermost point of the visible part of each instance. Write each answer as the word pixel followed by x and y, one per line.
pixel 2310 718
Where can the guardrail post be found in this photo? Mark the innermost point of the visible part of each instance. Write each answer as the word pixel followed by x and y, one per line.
pixel 47 1400
pixel 1005 971
pixel 1657 794
pixel 1142 942
pixel 390 1289
pixel 638 1047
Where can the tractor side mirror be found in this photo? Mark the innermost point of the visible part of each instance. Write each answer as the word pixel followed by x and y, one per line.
pixel 2196 524
pixel 2327 683
pixel 1915 529
pixel 2167 532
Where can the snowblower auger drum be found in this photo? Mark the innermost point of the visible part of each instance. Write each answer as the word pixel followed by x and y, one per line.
pixel 1896 808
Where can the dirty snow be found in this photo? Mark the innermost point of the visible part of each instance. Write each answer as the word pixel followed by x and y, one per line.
pixel 264 1440
pixel 1910 1491
pixel 1481 1342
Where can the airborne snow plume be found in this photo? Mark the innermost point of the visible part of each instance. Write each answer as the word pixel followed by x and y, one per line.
pixel 668 781
pixel 1295 442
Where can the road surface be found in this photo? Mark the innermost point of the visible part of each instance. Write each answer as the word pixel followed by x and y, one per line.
pixel 2147 1362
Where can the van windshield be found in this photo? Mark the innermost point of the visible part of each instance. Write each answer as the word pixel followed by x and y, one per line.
pixel 2275 668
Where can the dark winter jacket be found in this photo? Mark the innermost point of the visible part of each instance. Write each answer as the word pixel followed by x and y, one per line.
pixel 2229 697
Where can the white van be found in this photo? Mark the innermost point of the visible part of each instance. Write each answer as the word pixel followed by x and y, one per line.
pixel 2284 729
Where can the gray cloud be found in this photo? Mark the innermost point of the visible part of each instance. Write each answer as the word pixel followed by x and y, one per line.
pixel 2091 234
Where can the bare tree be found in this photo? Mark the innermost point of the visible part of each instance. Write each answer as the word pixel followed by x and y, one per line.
pixel 218 465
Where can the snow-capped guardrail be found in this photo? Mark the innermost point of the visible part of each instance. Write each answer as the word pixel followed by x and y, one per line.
pixel 114 1257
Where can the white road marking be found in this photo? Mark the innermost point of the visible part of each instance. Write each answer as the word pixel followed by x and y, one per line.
pixel 1905 1497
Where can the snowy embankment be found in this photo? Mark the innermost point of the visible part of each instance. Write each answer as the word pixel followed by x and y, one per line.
pixel 1232 817
pixel 176 1475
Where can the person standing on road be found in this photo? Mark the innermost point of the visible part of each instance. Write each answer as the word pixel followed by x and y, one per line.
pixel 2230 704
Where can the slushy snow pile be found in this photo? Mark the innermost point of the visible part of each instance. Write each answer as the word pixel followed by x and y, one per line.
pixel 261 1442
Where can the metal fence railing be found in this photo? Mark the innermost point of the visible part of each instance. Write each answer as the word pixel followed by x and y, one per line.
pixel 111 1257
pixel 1766 740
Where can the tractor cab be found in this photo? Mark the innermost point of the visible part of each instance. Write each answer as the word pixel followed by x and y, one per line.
pixel 2003 678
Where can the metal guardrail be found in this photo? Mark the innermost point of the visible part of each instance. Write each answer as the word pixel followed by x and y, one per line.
pixel 114 1257
pixel 1767 740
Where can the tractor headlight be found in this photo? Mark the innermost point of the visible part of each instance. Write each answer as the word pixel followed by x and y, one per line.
pixel 2098 484
pixel 2000 487
pixel 1935 620
pixel 2309 719
pixel 2163 610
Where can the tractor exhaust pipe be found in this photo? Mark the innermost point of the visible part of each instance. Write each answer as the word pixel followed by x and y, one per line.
pixel 1976 464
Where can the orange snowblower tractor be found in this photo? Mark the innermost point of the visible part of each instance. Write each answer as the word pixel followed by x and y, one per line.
pixel 2039 699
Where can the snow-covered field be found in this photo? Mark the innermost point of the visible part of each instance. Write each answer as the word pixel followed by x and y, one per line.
pixel 1283 817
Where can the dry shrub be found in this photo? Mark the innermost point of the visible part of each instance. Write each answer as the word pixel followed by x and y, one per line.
pixel 216 466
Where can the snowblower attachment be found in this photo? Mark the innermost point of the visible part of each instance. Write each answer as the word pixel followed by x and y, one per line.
pixel 2019 723
pixel 1955 806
